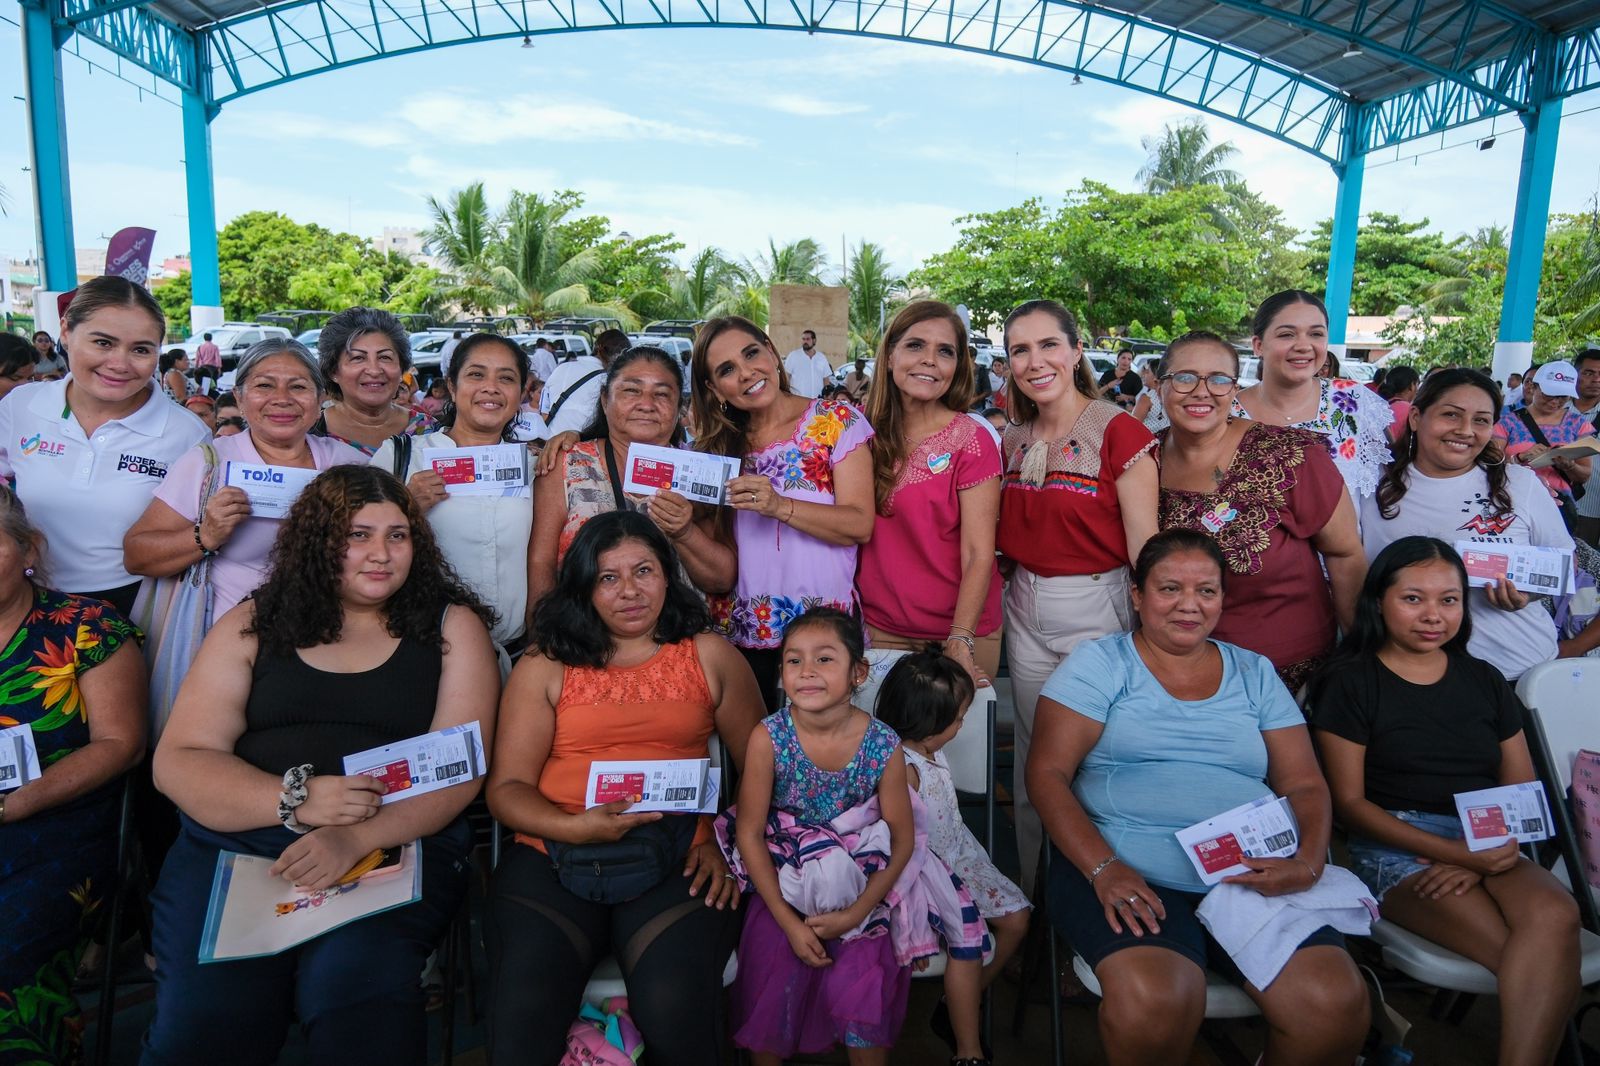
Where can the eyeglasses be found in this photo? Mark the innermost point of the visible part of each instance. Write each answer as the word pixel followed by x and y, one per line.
pixel 1186 381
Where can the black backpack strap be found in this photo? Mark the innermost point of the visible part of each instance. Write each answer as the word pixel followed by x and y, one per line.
pixel 1533 427
pixel 574 387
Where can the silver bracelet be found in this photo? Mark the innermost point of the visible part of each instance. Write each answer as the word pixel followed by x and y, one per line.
pixel 971 644
pixel 1098 870
pixel 293 795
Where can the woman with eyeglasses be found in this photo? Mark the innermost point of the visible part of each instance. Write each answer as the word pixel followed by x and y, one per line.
pixel 1273 500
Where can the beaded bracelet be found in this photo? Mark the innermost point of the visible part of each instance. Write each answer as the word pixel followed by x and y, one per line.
pixel 205 552
pixel 293 795
pixel 1098 870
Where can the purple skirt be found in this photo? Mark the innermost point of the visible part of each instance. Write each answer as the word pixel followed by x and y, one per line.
pixel 784 1007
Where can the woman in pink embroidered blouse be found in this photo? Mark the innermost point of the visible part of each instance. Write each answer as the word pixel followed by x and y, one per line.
pixel 929 572
pixel 802 506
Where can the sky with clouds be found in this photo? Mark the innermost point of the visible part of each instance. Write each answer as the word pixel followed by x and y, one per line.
pixel 723 137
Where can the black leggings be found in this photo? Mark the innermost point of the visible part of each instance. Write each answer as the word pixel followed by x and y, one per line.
pixel 544 943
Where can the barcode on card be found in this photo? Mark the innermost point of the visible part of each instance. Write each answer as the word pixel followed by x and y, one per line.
pixel 1280 840
pixel 1546 580
pixel 1532 826
pixel 698 489
pixel 7 773
pixel 675 795
pixel 506 473
pixel 449 770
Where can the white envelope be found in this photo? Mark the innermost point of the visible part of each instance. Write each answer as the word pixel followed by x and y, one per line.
pixel 1492 816
pixel 19 757
pixel 1261 829
pixel 272 489
pixel 420 765
pixel 488 470
pixel 698 476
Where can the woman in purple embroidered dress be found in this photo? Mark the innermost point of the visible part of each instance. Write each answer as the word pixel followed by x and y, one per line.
pixel 802 506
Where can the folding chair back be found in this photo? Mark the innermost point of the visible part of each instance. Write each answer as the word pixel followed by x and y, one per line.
pixel 970 752
pixel 1563 696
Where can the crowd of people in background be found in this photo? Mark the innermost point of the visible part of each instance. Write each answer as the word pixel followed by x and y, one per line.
pixel 1208 593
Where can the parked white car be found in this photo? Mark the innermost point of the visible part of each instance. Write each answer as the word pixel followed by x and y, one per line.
pixel 232 340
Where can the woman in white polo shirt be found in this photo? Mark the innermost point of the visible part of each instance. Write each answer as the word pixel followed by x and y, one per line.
pixel 87 453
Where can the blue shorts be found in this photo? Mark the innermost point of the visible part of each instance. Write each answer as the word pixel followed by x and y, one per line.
pixel 1076 913
pixel 1382 867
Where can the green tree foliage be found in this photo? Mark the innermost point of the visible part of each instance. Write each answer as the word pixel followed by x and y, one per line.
pixel 876 293
pixel 175 295
pixel 463 237
pixel 261 252
pixel 1113 257
pixel 1397 263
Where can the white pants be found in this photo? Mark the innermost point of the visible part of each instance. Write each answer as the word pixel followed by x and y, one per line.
pixel 1047 617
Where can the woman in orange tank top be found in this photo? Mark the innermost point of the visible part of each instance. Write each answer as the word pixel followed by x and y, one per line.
pixel 624 668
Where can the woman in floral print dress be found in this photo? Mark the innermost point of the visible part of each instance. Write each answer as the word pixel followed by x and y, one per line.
pixel 802 506
pixel 1290 336
pixel 71 675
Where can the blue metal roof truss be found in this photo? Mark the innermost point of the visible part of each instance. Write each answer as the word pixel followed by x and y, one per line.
pixel 1472 59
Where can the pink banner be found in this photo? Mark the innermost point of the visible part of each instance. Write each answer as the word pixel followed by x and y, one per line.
pixel 128 254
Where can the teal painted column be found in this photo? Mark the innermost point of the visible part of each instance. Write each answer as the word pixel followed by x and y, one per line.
pixel 1346 224
pixel 1513 351
pixel 47 136
pixel 205 273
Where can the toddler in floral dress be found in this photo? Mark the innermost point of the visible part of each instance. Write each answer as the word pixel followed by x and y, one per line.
pixel 925 699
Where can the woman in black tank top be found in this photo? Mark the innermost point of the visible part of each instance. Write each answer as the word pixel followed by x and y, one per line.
pixel 361 637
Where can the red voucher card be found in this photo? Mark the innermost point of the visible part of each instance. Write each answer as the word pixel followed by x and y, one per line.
pixel 1489 565
pixel 1219 854
pixel 396 775
pixel 612 787
pixel 1486 822
pixel 456 471
pixel 651 472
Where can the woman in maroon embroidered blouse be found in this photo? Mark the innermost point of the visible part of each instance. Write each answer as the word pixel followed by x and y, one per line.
pixel 1275 503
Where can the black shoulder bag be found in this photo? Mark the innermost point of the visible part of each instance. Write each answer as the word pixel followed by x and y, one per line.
pixel 617 871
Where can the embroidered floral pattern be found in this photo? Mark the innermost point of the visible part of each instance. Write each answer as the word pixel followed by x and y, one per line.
pixel 936 454
pixel 805 463
pixel 760 621
pixel 1256 487
pixel 1354 421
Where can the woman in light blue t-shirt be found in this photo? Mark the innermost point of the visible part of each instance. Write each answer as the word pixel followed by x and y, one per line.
pixel 1139 735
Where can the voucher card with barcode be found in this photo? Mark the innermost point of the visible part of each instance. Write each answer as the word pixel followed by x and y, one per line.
pixel 424 764
pixel 1261 829
pixel 695 475
pixel 488 470
pixel 19 757
pixel 673 785
pixel 1492 816
pixel 1531 568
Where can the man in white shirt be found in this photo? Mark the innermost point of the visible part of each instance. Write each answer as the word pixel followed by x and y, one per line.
pixel 808 368
pixel 1587 404
pixel 544 359
pixel 572 395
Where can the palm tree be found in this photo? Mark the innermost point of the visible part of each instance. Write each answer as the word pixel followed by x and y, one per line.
pixel 800 262
pixel 875 291
pixel 1183 157
pixel 1481 254
pixel 702 290
pixel 538 274
pixel 463 236
pixel 1586 288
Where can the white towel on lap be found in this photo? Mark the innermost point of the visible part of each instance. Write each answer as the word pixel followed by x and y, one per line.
pixel 1260 933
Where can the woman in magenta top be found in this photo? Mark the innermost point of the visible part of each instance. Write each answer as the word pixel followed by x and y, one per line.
pixel 1077 502
pixel 803 505
pixel 928 573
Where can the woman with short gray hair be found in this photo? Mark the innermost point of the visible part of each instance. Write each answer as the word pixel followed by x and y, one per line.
pixel 365 352
pixel 196 515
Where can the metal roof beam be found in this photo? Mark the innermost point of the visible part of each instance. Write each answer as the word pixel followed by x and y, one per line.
pixel 143 38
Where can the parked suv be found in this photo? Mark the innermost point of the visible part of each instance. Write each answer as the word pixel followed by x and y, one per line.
pixel 232 339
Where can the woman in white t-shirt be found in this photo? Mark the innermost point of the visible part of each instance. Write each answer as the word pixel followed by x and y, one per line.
pixel 484 537
pixel 1449 481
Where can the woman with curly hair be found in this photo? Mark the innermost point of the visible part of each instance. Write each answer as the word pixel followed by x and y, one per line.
pixel 804 504
pixel 361 636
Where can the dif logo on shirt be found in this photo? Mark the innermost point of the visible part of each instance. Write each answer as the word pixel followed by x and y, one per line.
pixel 138 464
pixel 37 445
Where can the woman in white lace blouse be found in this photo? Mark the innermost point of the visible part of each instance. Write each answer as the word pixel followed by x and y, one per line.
pixel 1290 336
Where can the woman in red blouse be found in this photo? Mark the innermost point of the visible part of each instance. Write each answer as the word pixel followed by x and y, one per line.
pixel 1077 502
pixel 1274 501
pixel 928 573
